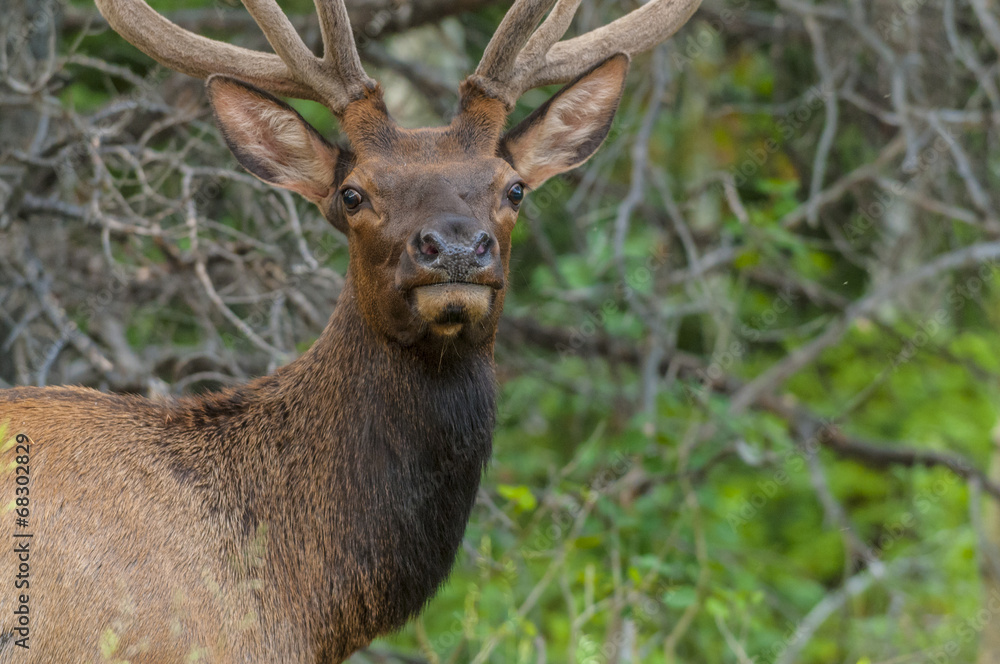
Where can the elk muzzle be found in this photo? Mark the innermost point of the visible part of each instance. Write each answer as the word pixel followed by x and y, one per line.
pixel 447 307
pixel 454 270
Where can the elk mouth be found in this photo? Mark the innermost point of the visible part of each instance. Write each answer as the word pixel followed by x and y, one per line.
pixel 447 307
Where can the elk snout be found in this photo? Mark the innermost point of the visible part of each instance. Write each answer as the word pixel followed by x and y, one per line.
pixel 456 265
pixel 462 254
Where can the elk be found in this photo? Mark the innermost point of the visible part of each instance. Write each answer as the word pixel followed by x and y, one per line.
pixel 299 516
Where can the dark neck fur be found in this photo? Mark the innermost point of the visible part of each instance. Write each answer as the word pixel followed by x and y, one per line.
pixel 363 458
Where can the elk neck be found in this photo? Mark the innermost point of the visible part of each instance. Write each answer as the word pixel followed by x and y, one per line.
pixel 371 455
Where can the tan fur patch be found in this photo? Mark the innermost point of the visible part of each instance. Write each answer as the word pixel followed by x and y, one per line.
pixel 432 301
pixel 448 330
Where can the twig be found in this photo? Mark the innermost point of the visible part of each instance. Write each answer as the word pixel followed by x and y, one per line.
pixel 805 354
pixel 818 615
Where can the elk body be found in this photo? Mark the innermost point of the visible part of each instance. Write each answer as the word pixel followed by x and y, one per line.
pixel 296 518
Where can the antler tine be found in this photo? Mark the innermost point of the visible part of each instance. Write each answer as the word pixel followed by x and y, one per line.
pixel 339 76
pixel 339 48
pixel 514 31
pixel 514 63
pixel 280 34
pixel 638 31
pixel 551 31
pixel 336 81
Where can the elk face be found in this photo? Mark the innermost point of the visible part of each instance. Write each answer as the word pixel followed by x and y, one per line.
pixel 428 213
pixel 430 243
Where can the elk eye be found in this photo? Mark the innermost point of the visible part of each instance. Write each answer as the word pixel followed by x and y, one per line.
pixel 352 199
pixel 516 194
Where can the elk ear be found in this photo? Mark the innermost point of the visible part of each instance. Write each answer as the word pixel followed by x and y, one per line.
pixel 566 130
pixel 272 141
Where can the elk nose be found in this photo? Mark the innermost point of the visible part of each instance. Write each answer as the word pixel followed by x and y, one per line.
pixel 461 255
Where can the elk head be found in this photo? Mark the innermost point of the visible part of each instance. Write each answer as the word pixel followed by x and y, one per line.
pixel 429 212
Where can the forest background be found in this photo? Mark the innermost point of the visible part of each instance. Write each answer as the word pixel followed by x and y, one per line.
pixel 749 358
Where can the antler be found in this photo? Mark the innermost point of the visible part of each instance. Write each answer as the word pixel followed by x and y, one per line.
pixel 336 79
pixel 518 59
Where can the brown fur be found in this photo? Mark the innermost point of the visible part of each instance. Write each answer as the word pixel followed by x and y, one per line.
pixel 296 518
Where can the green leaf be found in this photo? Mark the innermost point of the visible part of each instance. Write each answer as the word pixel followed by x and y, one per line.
pixel 680 597
pixel 520 495
pixel 717 608
pixel 588 542
pixel 748 258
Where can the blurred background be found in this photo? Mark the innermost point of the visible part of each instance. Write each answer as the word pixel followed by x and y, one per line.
pixel 749 359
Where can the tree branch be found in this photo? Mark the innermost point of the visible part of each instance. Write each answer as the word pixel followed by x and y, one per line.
pixel 515 332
